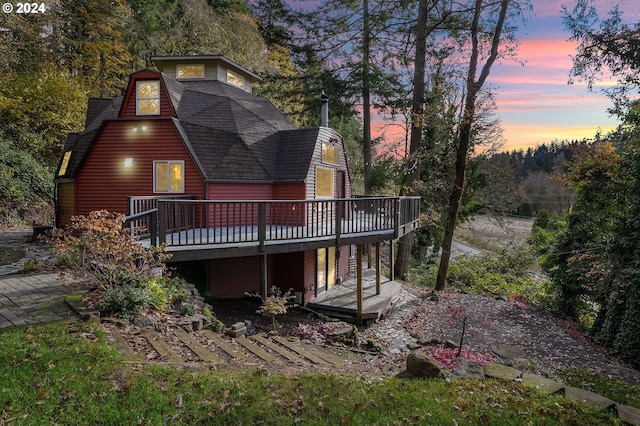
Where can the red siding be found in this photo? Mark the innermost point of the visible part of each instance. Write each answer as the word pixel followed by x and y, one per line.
pixel 289 191
pixel 234 276
pixel 240 191
pixel 104 183
pixel 129 107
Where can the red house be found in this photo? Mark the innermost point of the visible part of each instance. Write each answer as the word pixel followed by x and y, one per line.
pixel 220 175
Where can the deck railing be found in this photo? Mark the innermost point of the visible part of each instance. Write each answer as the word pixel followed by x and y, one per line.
pixel 261 222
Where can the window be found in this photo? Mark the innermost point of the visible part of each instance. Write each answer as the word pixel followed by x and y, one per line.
pixel 148 97
pixel 235 79
pixel 190 71
pixel 65 163
pixel 329 153
pixel 168 176
pixel 324 182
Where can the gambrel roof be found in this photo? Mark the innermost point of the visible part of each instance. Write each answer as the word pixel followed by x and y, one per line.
pixel 230 133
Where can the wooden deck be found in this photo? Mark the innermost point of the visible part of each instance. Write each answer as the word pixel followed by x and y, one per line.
pixel 340 301
pixel 207 229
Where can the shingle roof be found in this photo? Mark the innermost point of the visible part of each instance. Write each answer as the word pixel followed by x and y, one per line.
pixel 231 134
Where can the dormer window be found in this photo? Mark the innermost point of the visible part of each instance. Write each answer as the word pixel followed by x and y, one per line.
pixel 235 79
pixel 185 72
pixel 148 97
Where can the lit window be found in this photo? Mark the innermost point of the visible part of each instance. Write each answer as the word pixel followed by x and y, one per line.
pixel 65 163
pixel 235 79
pixel 148 97
pixel 190 71
pixel 329 154
pixel 168 176
pixel 324 182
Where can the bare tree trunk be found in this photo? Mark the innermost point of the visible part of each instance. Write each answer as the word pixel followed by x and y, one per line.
pixel 464 139
pixel 405 244
pixel 366 99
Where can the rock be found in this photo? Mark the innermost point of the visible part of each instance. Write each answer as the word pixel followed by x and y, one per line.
pixel 543 384
pixel 499 371
pixel 628 414
pixel 419 364
pixel 236 330
pixel 346 334
pixel 142 321
pixel 186 325
pixel 197 324
pixel 251 329
pixel 588 398
pixel 509 352
pixel 469 369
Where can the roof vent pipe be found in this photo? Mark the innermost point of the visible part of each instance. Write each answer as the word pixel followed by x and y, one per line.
pixel 324 111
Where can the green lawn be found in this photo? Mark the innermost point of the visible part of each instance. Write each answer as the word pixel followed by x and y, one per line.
pixel 67 374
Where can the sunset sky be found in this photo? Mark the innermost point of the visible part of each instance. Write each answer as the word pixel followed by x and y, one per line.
pixel 535 103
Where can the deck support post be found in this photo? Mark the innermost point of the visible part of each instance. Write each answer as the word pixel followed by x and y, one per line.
pixel 392 255
pixel 378 267
pixel 263 277
pixel 359 283
pixel 369 262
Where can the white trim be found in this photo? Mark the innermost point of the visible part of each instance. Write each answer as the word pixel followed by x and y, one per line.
pixel 333 184
pixel 139 98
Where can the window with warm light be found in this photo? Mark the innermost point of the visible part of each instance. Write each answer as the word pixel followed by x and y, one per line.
pixel 168 176
pixel 329 153
pixel 235 79
pixel 65 163
pixel 148 97
pixel 190 71
pixel 324 182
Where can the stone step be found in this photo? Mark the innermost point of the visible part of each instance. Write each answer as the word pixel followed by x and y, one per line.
pixel 160 345
pixel 588 398
pixel 197 347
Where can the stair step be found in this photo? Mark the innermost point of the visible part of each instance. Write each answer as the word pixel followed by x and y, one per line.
pixel 291 356
pixel 197 347
pixel 300 351
pixel 160 346
pixel 227 347
pixel 257 350
pixel 123 347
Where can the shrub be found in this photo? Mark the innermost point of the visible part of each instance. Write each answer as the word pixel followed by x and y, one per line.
pixel 505 273
pixel 274 304
pixel 100 247
pixel 157 289
pixel 126 299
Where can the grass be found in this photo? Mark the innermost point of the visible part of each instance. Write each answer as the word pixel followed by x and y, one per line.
pixel 616 390
pixel 61 374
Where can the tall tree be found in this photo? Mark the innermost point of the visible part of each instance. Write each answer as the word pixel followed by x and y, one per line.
pixel 606 47
pixel 344 35
pixel 405 244
pixel 473 88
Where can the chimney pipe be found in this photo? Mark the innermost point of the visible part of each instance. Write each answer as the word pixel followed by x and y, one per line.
pixel 324 111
